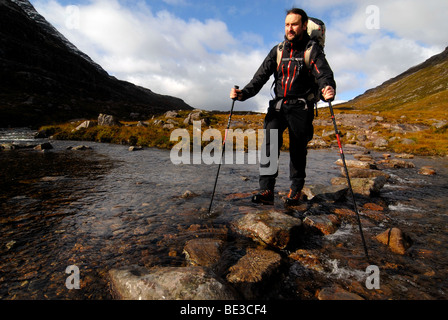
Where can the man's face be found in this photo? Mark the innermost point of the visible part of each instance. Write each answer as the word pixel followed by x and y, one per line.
pixel 294 26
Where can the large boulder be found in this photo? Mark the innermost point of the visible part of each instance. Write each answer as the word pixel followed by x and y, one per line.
pixel 168 283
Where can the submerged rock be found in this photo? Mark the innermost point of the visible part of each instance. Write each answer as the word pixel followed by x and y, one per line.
pixel 337 293
pixel 168 283
pixel 203 252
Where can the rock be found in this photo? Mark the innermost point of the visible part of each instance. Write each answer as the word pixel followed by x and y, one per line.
pixel 427 171
pixel 171 114
pixel 168 283
pixel 325 193
pixel 270 227
pixel 253 271
pixel 396 240
pixel 404 156
pixel 188 194
pixel 107 120
pixel 84 125
pixel 168 126
pixel 337 293
pixel 197 115
pixel 203 252
pixel 381 143
pixel 364 186
pixel 363 157
pixel 317 143
pixel 308 259
pixel 43 146
pixel 364 173
pixel 326 224
pixel 135 148
pixel 396 163
pixel 356 164
pixel 79 148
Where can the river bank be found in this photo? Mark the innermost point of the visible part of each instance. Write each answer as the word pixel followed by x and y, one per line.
pixel 105 208
pixel 384 131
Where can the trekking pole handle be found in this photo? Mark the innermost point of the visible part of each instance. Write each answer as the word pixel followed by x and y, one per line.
pixel 236 87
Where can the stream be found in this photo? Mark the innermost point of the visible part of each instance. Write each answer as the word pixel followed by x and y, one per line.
pixel 107 207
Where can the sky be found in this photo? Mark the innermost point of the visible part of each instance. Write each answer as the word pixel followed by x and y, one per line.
pixel 198 50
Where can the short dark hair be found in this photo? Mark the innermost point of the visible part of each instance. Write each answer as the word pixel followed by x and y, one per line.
pixel 300 12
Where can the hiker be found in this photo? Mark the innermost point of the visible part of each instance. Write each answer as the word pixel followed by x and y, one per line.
pixel 296 86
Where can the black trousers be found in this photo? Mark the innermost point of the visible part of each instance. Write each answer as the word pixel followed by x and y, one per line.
pixel 298 118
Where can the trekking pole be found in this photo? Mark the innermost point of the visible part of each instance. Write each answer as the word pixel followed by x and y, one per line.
pixel 341 151
pixel 222 152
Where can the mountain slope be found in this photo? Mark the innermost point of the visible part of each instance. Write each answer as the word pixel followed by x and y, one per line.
pixel 44 78
pixel 421 90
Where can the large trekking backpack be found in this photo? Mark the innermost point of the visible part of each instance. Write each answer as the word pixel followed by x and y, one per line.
pixel 317 31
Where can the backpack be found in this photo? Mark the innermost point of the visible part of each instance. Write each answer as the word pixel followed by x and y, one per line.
pixel 317 31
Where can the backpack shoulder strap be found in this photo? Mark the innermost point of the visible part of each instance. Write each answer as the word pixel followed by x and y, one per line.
pixel 307 55
pixel 280 52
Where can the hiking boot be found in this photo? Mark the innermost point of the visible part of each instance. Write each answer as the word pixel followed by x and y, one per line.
pixel 265 197
pixel 293 198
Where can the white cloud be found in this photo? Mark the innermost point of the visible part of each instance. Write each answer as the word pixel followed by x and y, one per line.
pixel 199 61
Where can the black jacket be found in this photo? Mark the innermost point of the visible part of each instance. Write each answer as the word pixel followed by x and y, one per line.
pixel 293 79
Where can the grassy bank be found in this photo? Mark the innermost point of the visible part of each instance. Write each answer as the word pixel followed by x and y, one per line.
pixel 154 132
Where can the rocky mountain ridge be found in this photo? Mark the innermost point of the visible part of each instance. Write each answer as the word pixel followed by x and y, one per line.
pixel 46 79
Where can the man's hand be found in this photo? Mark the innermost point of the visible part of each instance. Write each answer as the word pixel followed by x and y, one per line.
pixel 328 93
pixel 236 94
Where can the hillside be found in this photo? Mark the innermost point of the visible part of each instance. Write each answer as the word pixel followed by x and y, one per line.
pixel 45 79
pixel 420 92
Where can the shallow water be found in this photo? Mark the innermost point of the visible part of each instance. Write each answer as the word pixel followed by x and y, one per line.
pixel 108 207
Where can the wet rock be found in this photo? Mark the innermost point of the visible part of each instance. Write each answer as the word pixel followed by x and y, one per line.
pixel 43 146
pixel 364 186
pixel 363 157
pixel 308 259
pixel 364 173
pixel 108 120
pixel 135 148
pixel 168 283
pixel 188 195
pixel 270 227
pixel 337 293
pixel 404 156
pixel 427 171
pixel 325 193
pixel 325 224
pixel 397 163
pixel 396 240
pixel 254 271
pixel 356 164
pixel 79 148
pixel 203 252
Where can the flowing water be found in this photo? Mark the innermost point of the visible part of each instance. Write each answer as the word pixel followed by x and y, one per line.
pixel 107 207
